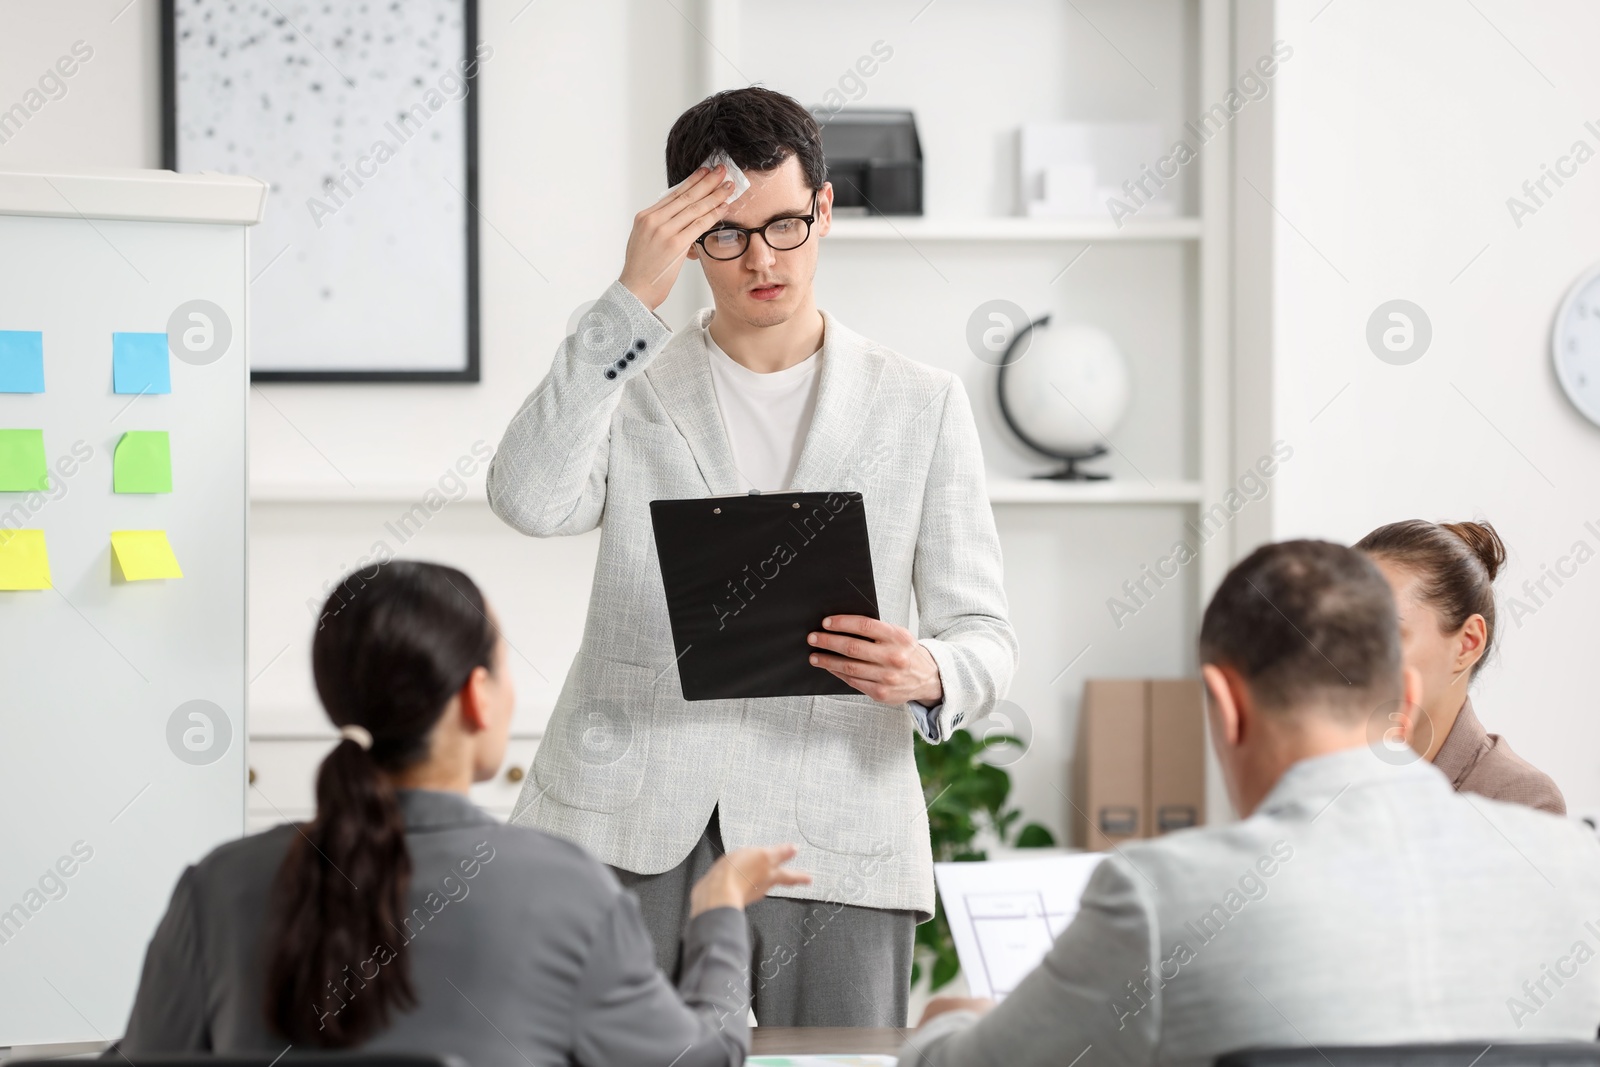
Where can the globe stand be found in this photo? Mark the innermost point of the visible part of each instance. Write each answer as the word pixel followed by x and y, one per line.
pixel 1068 473
pixel 1071 472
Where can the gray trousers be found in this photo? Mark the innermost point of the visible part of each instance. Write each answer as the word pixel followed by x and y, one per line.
pixel 813 963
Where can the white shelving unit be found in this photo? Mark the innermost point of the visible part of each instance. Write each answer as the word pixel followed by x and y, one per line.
pixel 1001 491
pixel 964 100
pixel 283 765
pixel 1005 230
pixel 1039 491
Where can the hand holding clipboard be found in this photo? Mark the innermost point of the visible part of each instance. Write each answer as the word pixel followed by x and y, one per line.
pixel 747 578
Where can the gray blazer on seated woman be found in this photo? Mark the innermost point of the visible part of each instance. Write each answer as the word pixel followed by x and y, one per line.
pixel 403 918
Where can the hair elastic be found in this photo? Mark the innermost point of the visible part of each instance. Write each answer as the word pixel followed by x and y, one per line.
pixel 359 734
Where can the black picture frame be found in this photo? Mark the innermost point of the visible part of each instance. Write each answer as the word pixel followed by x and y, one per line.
pixel 471 373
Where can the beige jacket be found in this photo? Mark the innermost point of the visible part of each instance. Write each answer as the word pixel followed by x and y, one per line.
pixel 1477 761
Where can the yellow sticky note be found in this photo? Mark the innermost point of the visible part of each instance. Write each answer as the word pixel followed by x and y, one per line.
pixel 24 564
pixel 144 554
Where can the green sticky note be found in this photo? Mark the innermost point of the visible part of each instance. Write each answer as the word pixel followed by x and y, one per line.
pixel 142 463
pixel 22 465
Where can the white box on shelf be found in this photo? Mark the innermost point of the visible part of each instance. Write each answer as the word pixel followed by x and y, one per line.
pixel 1073 168
pixel 1068 189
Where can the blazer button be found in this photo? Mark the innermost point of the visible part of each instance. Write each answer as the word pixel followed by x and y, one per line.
pixel 639 344
pixel 628 357
pixel 622 364
pixel 610 373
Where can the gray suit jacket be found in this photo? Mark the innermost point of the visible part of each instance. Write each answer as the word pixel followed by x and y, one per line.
pixel 630 769
pixel 1362 904
pixel 523 950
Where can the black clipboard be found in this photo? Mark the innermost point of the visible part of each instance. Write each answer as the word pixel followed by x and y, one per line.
pixel 747 577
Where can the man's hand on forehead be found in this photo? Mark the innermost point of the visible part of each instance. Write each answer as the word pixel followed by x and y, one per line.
pixel 734 175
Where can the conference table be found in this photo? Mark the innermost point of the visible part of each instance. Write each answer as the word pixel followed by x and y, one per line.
pixel 816 1040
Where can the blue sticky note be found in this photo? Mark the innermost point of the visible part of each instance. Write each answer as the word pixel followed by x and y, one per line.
pixel 139 363
pixel 21 361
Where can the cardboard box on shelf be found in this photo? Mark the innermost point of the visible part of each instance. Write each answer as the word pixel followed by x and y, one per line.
pixel 1176 775
pixel 1110 764
pixel 1139 765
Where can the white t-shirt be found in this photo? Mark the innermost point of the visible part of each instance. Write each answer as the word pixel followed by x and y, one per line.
pixel 766 416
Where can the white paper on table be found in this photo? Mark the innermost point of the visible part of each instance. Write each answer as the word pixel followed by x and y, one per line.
pixel 1004 915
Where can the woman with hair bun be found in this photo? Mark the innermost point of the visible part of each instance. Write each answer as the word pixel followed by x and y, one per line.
pixel 1443 580
pixel 403 918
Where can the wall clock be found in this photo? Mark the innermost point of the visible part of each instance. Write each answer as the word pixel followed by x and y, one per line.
pixel 1575 345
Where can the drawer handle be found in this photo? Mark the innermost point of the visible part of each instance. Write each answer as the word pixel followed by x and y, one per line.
pixel 252 779
pixel 514 774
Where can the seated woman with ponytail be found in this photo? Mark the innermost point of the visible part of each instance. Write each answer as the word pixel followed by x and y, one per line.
pixel 1443 581
pixel 403 918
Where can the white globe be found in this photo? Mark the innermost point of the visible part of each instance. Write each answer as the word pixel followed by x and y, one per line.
pixel 1069 391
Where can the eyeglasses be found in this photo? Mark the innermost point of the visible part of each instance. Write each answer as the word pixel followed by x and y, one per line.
pixel 782 235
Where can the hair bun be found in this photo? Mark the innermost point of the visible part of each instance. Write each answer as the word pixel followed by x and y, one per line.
pixel 1484 542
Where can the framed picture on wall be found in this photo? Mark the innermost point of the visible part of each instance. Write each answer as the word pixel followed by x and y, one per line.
pixel 363 117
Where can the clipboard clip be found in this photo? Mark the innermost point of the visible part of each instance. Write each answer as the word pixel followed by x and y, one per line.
pixel 748 493
pixel 753 492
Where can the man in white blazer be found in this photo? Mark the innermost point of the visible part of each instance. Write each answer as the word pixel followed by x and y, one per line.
pixel 762 392
pixel 1361 901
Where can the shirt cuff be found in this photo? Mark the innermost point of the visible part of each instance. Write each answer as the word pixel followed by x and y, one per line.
pixel 927 720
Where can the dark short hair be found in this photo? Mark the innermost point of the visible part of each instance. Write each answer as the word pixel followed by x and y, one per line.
pixel 757 127
pixel 1304 622
pixel 1455 564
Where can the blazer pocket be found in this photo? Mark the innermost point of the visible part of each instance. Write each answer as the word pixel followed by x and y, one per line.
pixel 596 748
pixel 858 790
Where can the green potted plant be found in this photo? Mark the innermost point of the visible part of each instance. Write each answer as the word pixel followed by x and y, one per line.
pixel 966 795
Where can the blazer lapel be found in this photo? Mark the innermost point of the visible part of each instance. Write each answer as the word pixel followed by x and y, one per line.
pixel 851 368
pixel 682 381
pixel 849 382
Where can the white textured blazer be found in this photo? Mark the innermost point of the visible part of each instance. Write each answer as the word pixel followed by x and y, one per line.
pixel 631 770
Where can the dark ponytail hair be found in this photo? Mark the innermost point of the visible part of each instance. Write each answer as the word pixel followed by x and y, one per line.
pixel 1456 564
pixel 388 657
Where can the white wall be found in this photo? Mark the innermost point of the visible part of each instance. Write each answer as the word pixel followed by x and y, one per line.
pixel 109 114
pixel 1400 130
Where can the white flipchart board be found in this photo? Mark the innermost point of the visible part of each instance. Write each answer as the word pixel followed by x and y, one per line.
pixel 94 669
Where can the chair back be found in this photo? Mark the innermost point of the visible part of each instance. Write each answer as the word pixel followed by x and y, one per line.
pixel 288 1059
pixel 1453 1054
